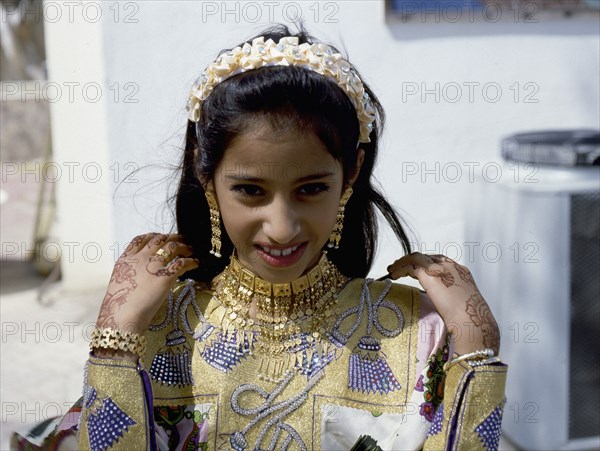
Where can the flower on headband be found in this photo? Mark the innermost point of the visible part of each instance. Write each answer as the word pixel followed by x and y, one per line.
pixel 320 58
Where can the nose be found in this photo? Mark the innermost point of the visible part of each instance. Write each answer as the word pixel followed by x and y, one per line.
pixel 281 223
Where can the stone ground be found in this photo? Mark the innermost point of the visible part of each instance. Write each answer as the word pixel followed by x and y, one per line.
pixel 44 331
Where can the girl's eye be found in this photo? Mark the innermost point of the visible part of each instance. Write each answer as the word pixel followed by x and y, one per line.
pixel 248 190
pixel 312 189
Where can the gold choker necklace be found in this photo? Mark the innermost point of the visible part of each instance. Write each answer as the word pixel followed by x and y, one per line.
pixel 292 319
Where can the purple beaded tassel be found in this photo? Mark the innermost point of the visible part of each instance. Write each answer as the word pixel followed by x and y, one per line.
pixel 172 363
pixel 369 372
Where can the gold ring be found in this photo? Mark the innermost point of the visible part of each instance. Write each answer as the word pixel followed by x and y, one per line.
pixel 162 253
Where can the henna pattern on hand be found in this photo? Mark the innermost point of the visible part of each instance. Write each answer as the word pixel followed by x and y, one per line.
pixel 129 271
pixel 131 247
pixel 170 270
pixel 445 276
pixel 465 274
pixel 158 240
pixel 123 272
pixel 482 317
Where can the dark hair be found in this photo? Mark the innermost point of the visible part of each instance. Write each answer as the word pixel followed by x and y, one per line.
pixel 285 96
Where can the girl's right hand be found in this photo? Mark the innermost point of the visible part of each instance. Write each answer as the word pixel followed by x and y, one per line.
pixel 141 280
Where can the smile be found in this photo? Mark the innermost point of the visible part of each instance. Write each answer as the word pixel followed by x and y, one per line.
pixel 281 257
pixel 279 252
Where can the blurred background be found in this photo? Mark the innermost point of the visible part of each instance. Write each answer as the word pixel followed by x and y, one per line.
pixel 490 154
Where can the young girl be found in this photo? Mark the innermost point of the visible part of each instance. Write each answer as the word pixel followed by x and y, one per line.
pixel 275 340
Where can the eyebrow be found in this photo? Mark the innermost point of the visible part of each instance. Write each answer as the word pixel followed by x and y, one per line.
pixel 307 178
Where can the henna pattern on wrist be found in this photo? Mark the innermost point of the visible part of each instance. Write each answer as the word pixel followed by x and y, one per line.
pixel 123 272
pixel 482 317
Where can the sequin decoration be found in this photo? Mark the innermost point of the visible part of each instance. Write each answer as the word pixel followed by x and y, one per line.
pixel 313 361
pixel 172 363
pixel 369 372
pixel 489 429
pixel 224 352
pixel 438 421
pixel 274 412
pixel 106 425
pixel 90 396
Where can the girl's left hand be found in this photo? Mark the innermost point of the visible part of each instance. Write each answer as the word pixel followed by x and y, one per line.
pixel 456 297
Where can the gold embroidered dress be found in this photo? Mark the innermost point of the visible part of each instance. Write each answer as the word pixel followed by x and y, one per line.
pixel 371 366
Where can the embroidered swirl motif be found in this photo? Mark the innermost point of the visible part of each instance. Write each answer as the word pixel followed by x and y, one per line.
pixel 373 315
pixel 277 410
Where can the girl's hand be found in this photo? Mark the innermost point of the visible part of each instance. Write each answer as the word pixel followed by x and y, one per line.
pixel 141 280
pixel 456 297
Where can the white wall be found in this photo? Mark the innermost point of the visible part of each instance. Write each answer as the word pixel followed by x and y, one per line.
pixel 556 63
pixel 80 128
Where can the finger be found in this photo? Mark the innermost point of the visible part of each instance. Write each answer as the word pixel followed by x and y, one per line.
pixel 413 271
pixel 170 251
pixel 178 249
pixel 424 268
pixel 157 241
pixel 181 265
pixel 415 258
pixel 439 258
pixel 138 243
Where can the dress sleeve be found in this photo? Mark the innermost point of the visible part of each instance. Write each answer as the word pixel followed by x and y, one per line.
pixel 117 411
pixel 464 405
pixel 470 415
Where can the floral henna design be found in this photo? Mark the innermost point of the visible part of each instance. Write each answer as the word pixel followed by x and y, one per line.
pixel 158 240
pixel 170 270
pixel 110 306
pixel 464 274
pixel 439 258
pixel 124 272
pixel 445 276
pixel 482 317
pixel 130 249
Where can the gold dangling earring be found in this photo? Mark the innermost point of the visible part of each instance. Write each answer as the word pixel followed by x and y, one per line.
pixel 336 234
pixel 215 224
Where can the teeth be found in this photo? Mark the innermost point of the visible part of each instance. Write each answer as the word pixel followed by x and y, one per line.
pixel 279 252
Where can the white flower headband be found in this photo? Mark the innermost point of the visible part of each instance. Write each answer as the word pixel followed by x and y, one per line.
pixel 319 58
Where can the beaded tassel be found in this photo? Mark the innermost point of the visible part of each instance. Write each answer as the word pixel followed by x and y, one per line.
pixel 172 363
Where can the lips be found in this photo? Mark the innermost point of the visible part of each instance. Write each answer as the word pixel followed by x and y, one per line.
pixel 281 256
pixel 279 252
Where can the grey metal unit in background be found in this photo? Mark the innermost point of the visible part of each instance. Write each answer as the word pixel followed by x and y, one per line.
pixel 544 216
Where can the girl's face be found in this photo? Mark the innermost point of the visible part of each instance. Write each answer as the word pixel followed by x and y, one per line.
pixel 278 194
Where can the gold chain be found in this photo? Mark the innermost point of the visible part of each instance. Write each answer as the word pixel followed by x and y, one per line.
pixel 287 314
